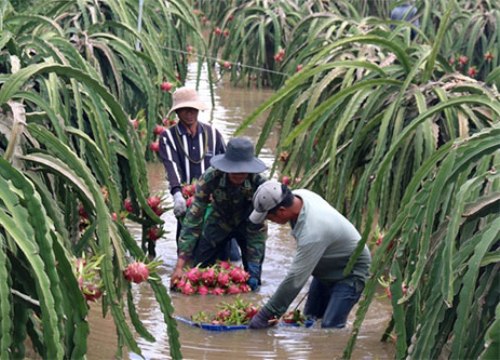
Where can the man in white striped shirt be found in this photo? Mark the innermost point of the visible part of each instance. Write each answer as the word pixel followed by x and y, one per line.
pixel 187 147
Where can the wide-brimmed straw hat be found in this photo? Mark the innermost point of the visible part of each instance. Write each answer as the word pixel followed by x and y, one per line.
pixel 238 158
pixel 186 97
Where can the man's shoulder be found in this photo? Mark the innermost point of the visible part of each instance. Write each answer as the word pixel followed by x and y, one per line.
pixel 204 125
pixel 168 131
pixel 258 179
pixel 304 193
pixel 210 174
pixel 313 203
pixel 208 127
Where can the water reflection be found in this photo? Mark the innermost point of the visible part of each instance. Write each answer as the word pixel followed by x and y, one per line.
pixel 231 107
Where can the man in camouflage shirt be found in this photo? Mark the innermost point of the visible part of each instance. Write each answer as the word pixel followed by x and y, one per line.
pixel 229 185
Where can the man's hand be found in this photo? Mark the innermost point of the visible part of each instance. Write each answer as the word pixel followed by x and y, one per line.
pixel 178 272
pixel 179 204
pixel 263 319
pixel 254 270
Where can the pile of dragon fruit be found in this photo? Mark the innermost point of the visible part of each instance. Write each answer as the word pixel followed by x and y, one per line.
pixel 219 279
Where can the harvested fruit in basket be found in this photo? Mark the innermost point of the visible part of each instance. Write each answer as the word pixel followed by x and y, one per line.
pixel 222 278
pixel 238 312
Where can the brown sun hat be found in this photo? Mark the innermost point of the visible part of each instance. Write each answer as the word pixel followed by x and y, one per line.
pixel 186 97
pixel 238 158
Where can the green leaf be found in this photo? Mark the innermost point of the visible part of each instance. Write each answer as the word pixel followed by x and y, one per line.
pixel 31 251
pixel 443 26
pixel 63 169
pixel 488 237
pixel 5 303
pixel 492 344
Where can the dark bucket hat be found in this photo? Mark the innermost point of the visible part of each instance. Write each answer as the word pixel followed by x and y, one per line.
pixel 238 158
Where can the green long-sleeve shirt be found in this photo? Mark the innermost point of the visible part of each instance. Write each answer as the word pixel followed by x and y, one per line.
pixel 325 242
pixel 231 207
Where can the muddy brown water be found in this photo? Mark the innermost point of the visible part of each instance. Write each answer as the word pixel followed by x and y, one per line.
pixel 231 107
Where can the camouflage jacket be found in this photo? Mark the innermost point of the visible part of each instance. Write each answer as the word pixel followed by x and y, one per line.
pixel 231 207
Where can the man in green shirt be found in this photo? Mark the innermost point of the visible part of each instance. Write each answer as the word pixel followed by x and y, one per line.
pixel 228 185
pixel 325 242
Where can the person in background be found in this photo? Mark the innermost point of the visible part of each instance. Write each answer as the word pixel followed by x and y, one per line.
pixel 406 12
pixel 187 148
pixel 229 185
pixel 325 242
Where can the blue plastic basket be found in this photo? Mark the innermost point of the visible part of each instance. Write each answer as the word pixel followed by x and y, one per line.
pixel 212 327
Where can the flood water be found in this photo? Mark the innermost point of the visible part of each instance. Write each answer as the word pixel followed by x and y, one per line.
pixel 231 107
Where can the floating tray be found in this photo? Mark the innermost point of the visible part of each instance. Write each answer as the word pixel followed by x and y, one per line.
pixel 212 327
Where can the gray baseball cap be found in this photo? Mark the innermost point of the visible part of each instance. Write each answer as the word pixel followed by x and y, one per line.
pixel 267 196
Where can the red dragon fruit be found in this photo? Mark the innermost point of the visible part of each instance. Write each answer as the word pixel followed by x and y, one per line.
pixel 188 289
pixel 80 264
pixel 244 288
pixel 127 204
pixel 193 274
pixel 88 277
pixel 188 190
pixel 91 292
pixel 208 276
pixel 181 283
pixel 158 129
pixel 203 290
pixel 136 272
pixel 226 265
pixel 82 212
pixel 236 313
pixel 285 180
pixel 154 201
pixel 218 291
pixel 233 289
pixel 223 279
pixel 238 275
pixel 154 233
pixel 155 146
pixel 250 312
pixel 223 315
